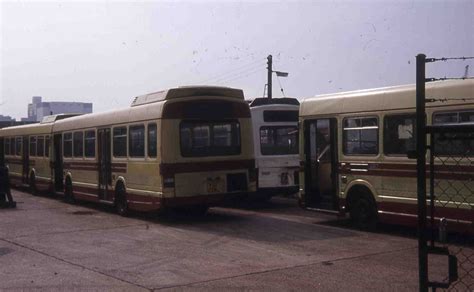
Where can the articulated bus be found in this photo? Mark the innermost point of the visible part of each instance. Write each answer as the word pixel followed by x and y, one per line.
pixel 275 132
pixel 183 147
pixel 354 148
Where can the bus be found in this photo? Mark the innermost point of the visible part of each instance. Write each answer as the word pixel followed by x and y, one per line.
pixel 25 150
pixel 354 149
pixel 185 147
pixel 275 132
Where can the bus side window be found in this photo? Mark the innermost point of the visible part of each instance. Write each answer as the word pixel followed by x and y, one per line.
pixel 78 144
pixel 399 134
pixel 12 146
pixel 361 136
pixel 67 145
pixel 136 141
pixel 18 146
pixel 7 146
pixel 32 146
pixel 152 140
pixel 460 144
pixel 89 149
pixel 40 146
pixel 46 146
pixel 120 142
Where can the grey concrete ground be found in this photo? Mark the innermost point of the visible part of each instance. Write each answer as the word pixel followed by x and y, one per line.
pixel 46 244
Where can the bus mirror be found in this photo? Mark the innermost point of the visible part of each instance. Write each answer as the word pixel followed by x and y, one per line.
pixel 412 154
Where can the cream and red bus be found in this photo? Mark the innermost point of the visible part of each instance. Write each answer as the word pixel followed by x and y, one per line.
pixel 26 152
pixel 186 146
pixel 354 148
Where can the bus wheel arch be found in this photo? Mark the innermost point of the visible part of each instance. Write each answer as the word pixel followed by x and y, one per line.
pixel 362 207
pixel 120 200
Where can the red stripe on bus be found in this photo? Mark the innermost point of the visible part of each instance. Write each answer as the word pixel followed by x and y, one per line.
pixel 169 169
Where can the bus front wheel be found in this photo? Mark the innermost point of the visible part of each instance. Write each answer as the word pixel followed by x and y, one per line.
pixel 363 213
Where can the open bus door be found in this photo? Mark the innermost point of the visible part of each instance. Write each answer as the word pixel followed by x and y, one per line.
pixel 105 163
pixel 321 164
pixel 58 162
pixel 2 152
pixel 25 159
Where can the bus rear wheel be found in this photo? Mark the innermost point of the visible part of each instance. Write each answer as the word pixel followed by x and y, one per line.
pixel 363 213
pixel 121 204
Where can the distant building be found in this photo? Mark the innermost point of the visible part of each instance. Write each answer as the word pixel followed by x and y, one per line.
pixel 6 119
pixel 39 109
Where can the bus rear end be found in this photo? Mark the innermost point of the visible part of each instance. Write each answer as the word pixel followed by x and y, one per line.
pixel 207 147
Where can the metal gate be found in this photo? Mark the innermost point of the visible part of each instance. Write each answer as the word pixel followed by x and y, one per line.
pixel 446 205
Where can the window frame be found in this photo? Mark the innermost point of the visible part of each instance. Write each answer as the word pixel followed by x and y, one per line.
pixel 5 147
pixel 47 145
pixel 32 146
pixel 86 139
pixel 235 123
pixel 124 136
pixel 148 140
pixel 344 138
pixel 38 138
pixel 18 150
pixel 385 137
pixel 69 140
pixel 277 127
pixel 75 141
pixel 130 144
pixel 458 112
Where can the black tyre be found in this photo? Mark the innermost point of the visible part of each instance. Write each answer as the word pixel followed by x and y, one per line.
pixel 33 189
pixel 121 204
pixel 68 192
pixel 199 210
pixel 363 213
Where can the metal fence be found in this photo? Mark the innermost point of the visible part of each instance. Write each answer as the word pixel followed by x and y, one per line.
pixel 446 205
pixel 451 179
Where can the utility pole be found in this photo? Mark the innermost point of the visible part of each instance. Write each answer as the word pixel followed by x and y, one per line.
pixel 269 68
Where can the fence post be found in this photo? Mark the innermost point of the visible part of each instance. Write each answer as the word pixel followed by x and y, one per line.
pixel 421 171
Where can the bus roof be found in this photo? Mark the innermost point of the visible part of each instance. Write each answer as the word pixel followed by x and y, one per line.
pixel 388 98
pixel 266 101
pixel 187 91
pixel 28 129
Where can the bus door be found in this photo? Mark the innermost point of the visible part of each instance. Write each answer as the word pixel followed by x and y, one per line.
pixel 58 162
pixel 25 158
pixel 321 164
pixel 2 152
pixel 105 163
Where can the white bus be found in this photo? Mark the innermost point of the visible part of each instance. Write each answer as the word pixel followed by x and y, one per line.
pixel 183 147
pixel 275 132
pixel 354 148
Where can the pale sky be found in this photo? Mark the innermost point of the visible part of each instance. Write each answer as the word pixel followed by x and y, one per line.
pixel 108 52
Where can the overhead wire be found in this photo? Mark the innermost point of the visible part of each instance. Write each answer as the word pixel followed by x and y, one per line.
pixel 235 70
pixel 242 75
pixel 237 73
